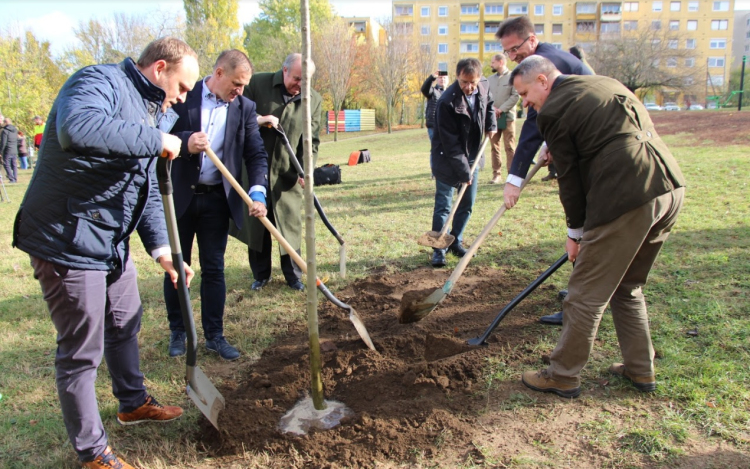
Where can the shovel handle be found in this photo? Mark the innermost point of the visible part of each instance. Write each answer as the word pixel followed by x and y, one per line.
pixel 464 186
pixel 480 239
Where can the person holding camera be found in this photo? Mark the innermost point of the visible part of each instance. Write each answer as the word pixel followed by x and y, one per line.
pixel 432 89
pixel 506 98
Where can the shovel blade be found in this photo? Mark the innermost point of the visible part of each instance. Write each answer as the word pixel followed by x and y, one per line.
pixel 361 329
pixel 434 240
pixel 414 308
pixel 205 396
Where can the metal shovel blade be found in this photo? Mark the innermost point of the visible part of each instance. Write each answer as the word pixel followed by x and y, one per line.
pixel 205 396
pixel 434 240
pixel 360 327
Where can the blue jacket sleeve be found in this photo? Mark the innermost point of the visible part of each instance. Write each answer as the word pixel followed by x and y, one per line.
pixel 529 143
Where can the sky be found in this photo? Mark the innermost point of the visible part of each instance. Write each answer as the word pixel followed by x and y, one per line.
pixel 55 20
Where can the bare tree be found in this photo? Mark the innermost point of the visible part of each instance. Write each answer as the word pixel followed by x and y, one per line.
pixel 391 65
pixel 335 55
pixel 646 58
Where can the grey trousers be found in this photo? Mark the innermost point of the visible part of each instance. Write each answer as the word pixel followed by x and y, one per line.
pixel 95 313
pixel 611 268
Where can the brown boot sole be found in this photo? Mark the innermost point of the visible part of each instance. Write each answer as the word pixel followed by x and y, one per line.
pixel 569 393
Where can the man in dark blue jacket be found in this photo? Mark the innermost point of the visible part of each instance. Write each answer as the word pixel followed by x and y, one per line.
pixel 95 184
pixel 464 114
pixel 215 115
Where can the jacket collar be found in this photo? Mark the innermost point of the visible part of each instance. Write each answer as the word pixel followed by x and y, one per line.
pixel 148 90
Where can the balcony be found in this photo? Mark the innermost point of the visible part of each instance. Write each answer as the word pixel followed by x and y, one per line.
pixel 585 31
pixel 611 12
pixel 403 10
pixel 586 11
pixel 518 9
pixel 469 11
pixel 494 12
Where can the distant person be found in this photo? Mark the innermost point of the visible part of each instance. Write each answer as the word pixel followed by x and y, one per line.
pixel 38 132
pixel 215 114
pixel 506 99
pixel 9 149
pixel 464 114
pixel 621 190
pixel 581 55
pixel 432 89
pixel 94 185
pixel 23 152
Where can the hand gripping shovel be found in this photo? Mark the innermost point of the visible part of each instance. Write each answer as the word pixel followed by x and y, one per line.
pixel 482 340
pixel 353 316
pixel 318 207
pixel 199 388
pixel 415 309
pixel 442 239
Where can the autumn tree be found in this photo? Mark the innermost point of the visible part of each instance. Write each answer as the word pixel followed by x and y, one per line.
pixel 646 58
pixel 335 55
pixel 275 33
pixel 211 27
pixel 425 54
pixel 391 65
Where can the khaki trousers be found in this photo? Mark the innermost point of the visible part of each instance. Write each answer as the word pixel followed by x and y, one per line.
pixel 508 136
pixel 612 266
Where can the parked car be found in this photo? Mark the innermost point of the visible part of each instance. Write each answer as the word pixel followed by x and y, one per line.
pixel 695 107
pixel 653 107
pixel 671 107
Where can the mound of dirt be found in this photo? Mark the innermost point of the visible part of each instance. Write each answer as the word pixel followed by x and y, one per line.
pixel 722 127
pixel 416 394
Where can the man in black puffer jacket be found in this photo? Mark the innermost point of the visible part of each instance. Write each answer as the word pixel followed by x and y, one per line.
pixel 95 184
pixel 9 149
pixel 433 93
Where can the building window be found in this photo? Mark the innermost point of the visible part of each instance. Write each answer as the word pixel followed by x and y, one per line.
pixel 442 30
pixel 585 8
pixel 425 12
pixel 630 6
pixel 494 9
pixel 493 47
pixel 442 48
pixel 656 6
pixel 609 28
pixel 442 11
pixel 719 25
pixel 716 80
pixel 518 9
pixel 693 6
pixel 469 47
pixel 671 62
pixel 425 30
pixel 688 81
pixel 673 43
pixel 585 27
pixel 557 10
pixel 674 6
pixel 716 61
pixel 469 28
pixel 747 48
pixel 656 25
pixel 425 48
pixel 721 6
pixel 690 44
pixel 472 9
pixel 611 9
pixel 690 63
pixel 692 25
pixel 747 36
pixel 556 29
pixel 539 10
pixel 539 28
pixel 674 25
pixel 491 27
pixel 717 44
pixel 404 10
pixel 557 45
pixel 629 25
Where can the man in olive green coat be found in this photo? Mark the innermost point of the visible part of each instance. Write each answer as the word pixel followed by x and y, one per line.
pixel 278 101
pixel 621 189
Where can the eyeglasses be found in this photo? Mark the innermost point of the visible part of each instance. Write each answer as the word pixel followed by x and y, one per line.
pixel 513 50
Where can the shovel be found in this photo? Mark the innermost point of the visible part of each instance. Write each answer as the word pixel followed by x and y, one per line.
pixel 413 310
pixel 353 316
pixel 482 340
pixel 318 207
pixel 199 388
pixel 442 239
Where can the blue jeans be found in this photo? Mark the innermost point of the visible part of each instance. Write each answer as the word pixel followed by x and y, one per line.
pixel 444 202
pixel 207 218
pixel 24 162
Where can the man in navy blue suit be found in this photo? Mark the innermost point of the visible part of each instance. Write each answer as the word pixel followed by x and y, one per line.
pixel 215 115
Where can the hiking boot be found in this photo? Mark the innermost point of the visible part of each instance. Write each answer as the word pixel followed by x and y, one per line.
pixel 258 284
pixel 220 345
pixel 641 383
pixel 177 345
pixel 562 294
pixel 107 460
pixel 543 382
pixel 457 250
pixel 150 411
pixel 438 258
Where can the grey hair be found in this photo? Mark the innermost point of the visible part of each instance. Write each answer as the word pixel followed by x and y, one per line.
pixel 533 66
pixel 293 57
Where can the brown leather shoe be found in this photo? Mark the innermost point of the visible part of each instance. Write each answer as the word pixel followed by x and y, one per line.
pixel 641 383
pixel 107 460
pixel 543 382
pixel 151 411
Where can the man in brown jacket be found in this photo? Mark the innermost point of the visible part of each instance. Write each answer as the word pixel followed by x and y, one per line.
pixel 621 189
pixel 506 98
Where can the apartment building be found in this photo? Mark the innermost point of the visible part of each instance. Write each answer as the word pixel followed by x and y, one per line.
pixel 741 43
pixel 458 29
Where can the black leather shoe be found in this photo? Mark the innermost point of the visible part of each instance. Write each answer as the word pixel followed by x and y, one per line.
pixel 177 346
pixel 220 345
pixel 457 250
pixel 562 294
pixel 553 319
pixel 297 285
pixel 258 284
pixel 438 258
